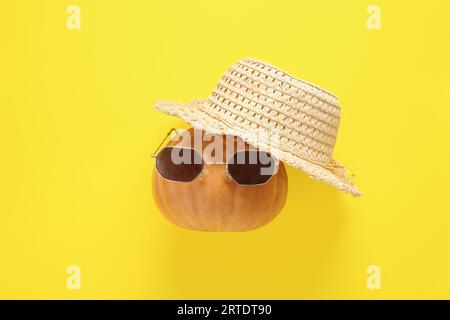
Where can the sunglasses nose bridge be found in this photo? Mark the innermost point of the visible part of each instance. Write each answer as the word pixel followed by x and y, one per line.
pixel 216 172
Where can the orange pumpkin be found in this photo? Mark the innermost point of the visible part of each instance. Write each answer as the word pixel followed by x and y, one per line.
pixel 213 201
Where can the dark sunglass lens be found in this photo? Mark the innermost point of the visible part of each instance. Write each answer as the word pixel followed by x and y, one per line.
pixel 179 164
pixel 251 167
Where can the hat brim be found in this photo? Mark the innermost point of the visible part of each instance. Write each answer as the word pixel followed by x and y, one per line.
pixel 196 114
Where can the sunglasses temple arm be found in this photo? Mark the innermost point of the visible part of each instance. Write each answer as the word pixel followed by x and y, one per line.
pixel 162 142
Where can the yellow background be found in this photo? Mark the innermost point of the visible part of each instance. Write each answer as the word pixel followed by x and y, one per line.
pixel 77 129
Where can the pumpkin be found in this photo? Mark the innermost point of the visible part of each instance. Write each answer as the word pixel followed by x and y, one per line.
pixel 213 201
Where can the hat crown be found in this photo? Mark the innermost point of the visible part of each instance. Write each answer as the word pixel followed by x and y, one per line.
pixel 254 95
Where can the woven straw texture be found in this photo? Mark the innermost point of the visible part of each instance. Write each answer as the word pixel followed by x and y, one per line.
pixel 295 121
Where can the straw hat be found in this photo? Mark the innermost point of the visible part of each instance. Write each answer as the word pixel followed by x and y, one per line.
pixel 295 121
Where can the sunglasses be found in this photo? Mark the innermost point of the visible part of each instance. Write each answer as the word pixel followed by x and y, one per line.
pixel 246 167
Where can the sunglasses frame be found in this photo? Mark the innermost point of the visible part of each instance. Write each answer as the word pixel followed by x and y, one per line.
pixel 227 173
